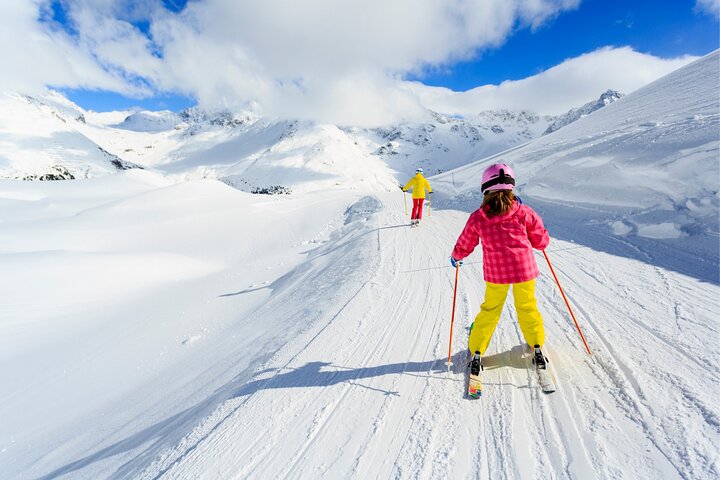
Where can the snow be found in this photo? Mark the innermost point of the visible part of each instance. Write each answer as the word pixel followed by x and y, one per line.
pixel 160 323
pixel 231 146
pixel 660 230
pixel 36 136
pixel 145 121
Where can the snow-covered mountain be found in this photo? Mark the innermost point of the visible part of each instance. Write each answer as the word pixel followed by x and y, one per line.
pixel 145 121
pixel 243 148
pixel 577 113
pixel 161 325
pixel 43 139
pixel 447 142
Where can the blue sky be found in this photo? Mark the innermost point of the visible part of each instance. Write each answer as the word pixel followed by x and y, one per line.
pixel 662 28
pixel 674 29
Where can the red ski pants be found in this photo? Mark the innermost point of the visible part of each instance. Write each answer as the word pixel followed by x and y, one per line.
pixel 417 208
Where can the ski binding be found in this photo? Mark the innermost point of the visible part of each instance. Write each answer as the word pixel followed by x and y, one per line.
pixel 541 367
pixel 475 379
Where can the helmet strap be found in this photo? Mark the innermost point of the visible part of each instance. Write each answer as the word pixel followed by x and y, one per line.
pixel 500 179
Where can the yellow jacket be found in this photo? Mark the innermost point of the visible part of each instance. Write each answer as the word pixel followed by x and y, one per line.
pixel 418 184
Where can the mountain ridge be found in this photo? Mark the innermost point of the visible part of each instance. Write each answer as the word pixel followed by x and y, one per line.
pixel 166 140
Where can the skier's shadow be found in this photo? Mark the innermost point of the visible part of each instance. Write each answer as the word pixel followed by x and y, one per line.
pixel 168 432
pixel 325 374
pixel 513 358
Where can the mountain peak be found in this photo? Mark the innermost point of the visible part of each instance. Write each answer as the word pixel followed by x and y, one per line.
pixel 605 99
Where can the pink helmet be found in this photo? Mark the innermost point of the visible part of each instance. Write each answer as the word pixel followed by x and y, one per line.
pixel 498 177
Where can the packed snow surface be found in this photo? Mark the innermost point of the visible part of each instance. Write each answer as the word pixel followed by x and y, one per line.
pixel 158 324
pixel 175 344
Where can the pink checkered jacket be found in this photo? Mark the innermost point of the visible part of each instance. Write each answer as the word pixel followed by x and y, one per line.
pixel 507 243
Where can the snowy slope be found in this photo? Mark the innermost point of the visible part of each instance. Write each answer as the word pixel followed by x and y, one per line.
pixel 577 113
pixel 145 121
pixel 39 137
pixel 316 348
pixel 130 297
pixel 364 393
pixel 642 174
pixel 298 156
pixel 160 328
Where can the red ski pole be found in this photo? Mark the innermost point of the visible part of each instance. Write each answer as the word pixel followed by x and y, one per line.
pixel 452 318
pixel 567 303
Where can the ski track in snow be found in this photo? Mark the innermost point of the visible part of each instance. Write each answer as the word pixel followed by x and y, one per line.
pixel 364 392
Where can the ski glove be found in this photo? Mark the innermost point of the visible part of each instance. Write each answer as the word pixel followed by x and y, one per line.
pixel 455 263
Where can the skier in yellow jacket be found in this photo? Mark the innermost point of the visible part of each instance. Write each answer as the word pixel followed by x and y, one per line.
pixel 418 184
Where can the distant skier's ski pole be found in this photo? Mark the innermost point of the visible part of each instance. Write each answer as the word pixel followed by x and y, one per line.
pixel 452 318
pixel 566 303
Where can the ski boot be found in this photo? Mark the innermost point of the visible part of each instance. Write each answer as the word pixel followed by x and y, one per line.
pixel 545 376
pixel 475 380
pixel 539 359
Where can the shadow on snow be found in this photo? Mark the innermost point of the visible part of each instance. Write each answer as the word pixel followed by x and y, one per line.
pixel 168 433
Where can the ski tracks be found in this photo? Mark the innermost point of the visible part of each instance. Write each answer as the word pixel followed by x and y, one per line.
pixel 655 403
pixel 365 393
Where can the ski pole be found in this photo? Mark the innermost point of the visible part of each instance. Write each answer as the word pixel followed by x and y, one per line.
pixel 452 318
pixel 429 207
pixel 567 303
pixel 405 202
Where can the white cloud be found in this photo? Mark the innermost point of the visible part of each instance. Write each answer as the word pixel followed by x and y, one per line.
pixel 326 60
pixel 320 59
pixel 33 56
pixel 572 83
pixel 712 7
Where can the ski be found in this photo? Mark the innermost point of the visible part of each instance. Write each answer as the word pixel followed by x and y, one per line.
pixel 475 377
pixel 541 367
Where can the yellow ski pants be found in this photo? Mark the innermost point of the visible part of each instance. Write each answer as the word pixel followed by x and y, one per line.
pixel 529 318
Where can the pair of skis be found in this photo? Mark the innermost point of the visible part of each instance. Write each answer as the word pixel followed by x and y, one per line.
pixel 539 360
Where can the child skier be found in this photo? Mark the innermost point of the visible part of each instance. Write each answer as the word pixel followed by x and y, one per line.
pixel 508 231
pixel 418 184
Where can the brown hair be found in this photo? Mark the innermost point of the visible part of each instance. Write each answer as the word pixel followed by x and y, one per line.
pixel 497 202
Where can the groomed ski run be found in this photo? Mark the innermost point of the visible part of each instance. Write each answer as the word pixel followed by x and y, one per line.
pixel 364 392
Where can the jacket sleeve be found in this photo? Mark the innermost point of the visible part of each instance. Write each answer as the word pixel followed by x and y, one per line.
pixel 537 234
pixel 468 239
pixel 408 184
pixel 427 185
